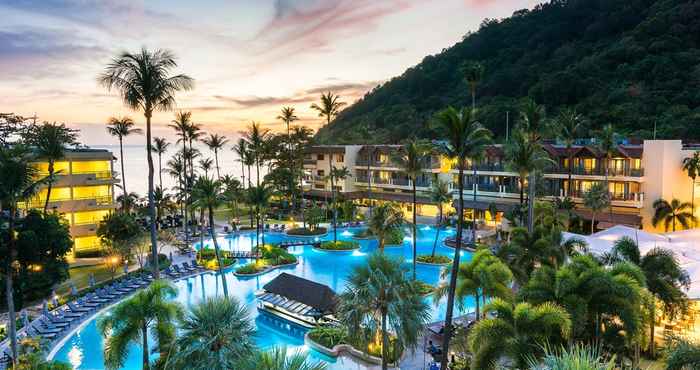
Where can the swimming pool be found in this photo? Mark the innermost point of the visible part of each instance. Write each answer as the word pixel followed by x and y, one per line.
pixel 83 350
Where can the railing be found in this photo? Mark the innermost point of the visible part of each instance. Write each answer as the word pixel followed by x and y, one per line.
pixel 628 172
pixel 309 161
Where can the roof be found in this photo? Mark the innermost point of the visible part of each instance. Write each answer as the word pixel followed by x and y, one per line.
pixel 317 296
pixel 324 149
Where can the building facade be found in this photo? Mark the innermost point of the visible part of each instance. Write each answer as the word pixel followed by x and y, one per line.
pixel 638 173
pixel 83 194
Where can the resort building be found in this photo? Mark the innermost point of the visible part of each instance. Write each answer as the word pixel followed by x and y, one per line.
pixel 638 173
pixel 83 193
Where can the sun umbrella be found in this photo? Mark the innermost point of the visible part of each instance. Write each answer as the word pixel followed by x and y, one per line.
pixel 45 308
pixel 91 280
pixel 73 288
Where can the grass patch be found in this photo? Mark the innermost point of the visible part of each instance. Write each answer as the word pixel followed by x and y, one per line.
pixel 302 231
pixel 437 259
pixel 340 245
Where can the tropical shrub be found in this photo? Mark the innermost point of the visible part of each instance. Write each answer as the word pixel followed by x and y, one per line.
pixel 251 268
pixel 329 336
pixel 436 259
pixel 395 236
pixel 340 245
pixel 301 231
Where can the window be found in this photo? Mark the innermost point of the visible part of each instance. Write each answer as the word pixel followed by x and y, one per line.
pixel 340 158
pixel 320 172
pixel 86 243
pixel 60 167
pixel 91 192
pixel 320 186
pixel 89 217
pixel 91 166
pixel 319 157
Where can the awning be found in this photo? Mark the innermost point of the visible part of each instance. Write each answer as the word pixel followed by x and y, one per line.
pixel 291 289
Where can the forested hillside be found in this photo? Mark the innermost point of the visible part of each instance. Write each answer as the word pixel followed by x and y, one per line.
pixel 632 63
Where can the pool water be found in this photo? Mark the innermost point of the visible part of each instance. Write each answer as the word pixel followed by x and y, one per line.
pixel 83 350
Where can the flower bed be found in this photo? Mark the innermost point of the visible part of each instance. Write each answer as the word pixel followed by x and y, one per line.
pixel 207 258
pixel 340 245
pixel 438 259
pixel 302 231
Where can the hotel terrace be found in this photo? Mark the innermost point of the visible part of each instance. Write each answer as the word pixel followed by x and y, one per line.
pixel 640 172
pixel 83 193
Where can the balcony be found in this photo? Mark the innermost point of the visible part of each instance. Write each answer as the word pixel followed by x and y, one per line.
pixel 310 161
pixel 624 172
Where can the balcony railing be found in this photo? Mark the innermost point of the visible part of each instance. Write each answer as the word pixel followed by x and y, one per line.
pixel 426 163
pixel 309 161
pixel 627 172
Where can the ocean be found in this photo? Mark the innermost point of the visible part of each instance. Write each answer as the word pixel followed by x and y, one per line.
pixel 136 166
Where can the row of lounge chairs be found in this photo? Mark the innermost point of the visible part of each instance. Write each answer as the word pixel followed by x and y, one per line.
pixel 349 224
pixel 53 325
pixel 275 227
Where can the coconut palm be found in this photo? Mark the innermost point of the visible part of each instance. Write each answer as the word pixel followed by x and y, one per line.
pixel 205 164
pixel 18 183
pixel 150 309
pixel 485 276
pixel 473 72
pixel 145 82
pixel 525 157
pixel 517 332
pixel 691 166
pixel 257 138
pixel 181 125
pixel 665 278
pixel 568 125
pixel 277 358
pixel 385 219
pixel 128 201
pixel 670 213
pixel 160 146
pixel 411 160
pixel 596 199
pixel 439 194
pixel 606 145
pixel 460 131
pixel 259 197
pixel 330 106
pixel 207 194
pixel 121 128
pixel 233 192
pixel 215 334
pixel 288 116
pixel 378 297
pixel 301 137
pixel 215 142
pixel 49 141
pixel 241 148
pixel 336 174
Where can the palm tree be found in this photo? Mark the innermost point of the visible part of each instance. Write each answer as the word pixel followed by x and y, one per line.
pixel 257 138
pixel 460 131
pixel 385 219
pixel 672 213
pixel 577 357
pixel 301 137
pixel 473 73
pixel 207 194
pixel 205 165
pixel 606 144
pixel 181 125
pixel 50 141
pixel 128 201
pixel 484 276
pixel 145 82
pixel 130 322
pixel 516 331
pixel 277 358
pixel 215 142
pixel 379 297
pixel 336 174
pixel 121 128
pixel 18 183
pixel 411 160
pixel 439 194
pixel 534 126
pixel 665 278
pixel 288 116
pixel 160 146
pixel 215 334
pixel 691 166
pixel 596 199
pixel 259 196
pixel 241 149
pixel 330 106
pixel 233 192
pixel 568 126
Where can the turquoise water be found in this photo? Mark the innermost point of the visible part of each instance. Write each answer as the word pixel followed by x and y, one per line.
pixel 84 348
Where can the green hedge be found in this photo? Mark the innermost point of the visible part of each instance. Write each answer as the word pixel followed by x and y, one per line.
pixel 251 268
pixel 300 231
pixel 438 258
pixel 340 245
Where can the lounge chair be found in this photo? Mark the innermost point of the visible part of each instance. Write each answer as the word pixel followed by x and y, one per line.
pixel 93 298
pixel 87 303
pixel 39 332
pixel 78 310
pixel 104 294
pixel 283 227
pixel 54 322
pixel 186 266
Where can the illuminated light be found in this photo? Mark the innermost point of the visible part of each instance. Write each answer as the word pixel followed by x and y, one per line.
pixel 346 233
pixel 426 228
pixel 357 253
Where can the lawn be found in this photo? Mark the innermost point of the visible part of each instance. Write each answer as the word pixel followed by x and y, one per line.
pixel 80 275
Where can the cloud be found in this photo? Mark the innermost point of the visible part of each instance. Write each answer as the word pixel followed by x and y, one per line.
pixel 37 53
pixel 305 25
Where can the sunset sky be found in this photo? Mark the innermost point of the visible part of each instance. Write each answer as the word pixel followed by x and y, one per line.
pixel 248 57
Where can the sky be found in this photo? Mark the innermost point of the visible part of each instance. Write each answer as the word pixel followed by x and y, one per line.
pixel 248 57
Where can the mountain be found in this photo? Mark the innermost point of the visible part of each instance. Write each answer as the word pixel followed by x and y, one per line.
pixel 632 63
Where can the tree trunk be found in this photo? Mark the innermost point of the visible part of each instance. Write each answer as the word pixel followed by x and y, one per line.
pixel 262 226
pixel 216 161
pixel 455 268
pixel 385 343
pixel 477 311
pixel 593 223
pixel 692 204
pixel 160 170
pixel 151 203
pixel 9 291
pixel 521 178
pixel 301 204
pixel 474 208
pixel 437 230
pixel 369 180
pixel 335 208
pixel 185 186
pixel 414 229
pixel 50 185
pixel 146 350
pixel 531 203
pixel 216 250
pixel 570 171
pixel 652 344
pixel 121 163
pixel 250 175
